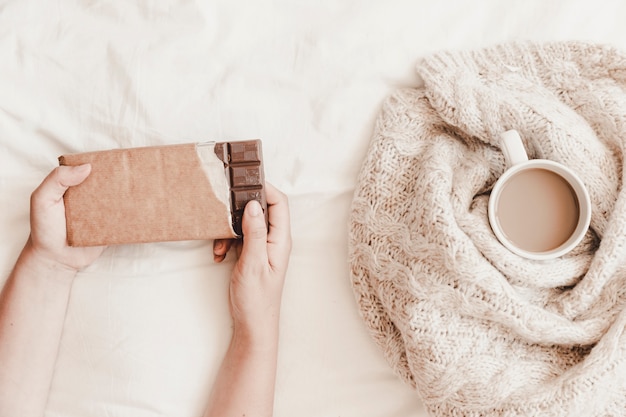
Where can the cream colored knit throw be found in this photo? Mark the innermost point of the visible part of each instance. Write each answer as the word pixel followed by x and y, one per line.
pixel 476 329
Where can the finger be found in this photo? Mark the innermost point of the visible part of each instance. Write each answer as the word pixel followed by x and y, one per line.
pixel 254 248
pixel 279 236
pixel 278 213
pixel 221 248
pixel 59 180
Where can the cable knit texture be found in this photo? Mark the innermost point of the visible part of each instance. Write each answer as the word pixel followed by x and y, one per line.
pixel 477 330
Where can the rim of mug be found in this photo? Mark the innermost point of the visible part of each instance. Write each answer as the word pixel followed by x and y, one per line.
pixel 582 195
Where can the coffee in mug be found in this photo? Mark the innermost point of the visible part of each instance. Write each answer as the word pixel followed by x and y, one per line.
pixel 538 208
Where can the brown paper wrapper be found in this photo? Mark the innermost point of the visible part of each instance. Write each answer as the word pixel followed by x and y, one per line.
pixel 150 194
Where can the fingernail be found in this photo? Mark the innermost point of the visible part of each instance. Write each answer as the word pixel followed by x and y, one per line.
pixel 254 208
pixel 82 168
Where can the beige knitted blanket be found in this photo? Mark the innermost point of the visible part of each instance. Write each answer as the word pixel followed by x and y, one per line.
pixel 476 329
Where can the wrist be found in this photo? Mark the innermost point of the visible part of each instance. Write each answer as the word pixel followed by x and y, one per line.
pixel 38 263
pixel 259 337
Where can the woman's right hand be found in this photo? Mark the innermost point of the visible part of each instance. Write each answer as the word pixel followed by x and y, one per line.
pixel 257 280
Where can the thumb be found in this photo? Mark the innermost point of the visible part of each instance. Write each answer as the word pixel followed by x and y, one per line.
pixel 254 234
pixel 59 180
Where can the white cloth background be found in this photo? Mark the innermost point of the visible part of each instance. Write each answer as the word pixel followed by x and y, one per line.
pixel 147 324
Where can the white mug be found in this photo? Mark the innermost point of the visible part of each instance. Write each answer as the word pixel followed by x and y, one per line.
pixel 538 209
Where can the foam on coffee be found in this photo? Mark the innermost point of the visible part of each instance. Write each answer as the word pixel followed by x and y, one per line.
pixel 537 210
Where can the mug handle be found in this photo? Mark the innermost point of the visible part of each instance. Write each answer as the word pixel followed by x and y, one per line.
pixel 513 148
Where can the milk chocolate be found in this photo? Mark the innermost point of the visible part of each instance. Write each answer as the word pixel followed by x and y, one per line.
pixel 243 162
pixel 164 193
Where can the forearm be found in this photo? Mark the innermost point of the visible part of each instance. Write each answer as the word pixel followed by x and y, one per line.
pixel 246 379
pixel 33 304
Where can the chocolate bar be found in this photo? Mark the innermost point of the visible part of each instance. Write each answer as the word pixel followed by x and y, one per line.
pixel 243 163
pixel 164 193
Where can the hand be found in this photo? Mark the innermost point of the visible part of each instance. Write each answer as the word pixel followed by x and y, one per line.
pixel 48 236
pixel 257 280
pixel 35 296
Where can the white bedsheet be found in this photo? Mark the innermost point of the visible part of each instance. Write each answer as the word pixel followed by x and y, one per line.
pixel 148 324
